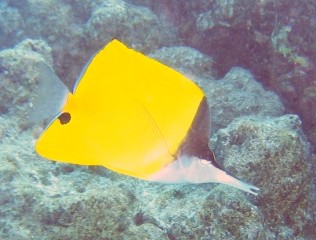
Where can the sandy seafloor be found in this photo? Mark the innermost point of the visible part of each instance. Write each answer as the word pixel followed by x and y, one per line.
pixel 255 61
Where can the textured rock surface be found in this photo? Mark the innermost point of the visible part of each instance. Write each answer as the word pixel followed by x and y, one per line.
pixel 186 60
pixel 19 75
pixel 41 199
pixel 76 30
pixel 126 22
pixel 276 148
pixel 239 94
pixel 63 201
pixel 273 39
pixel 11 25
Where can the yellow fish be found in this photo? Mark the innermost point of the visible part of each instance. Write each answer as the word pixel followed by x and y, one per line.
pixel 135 116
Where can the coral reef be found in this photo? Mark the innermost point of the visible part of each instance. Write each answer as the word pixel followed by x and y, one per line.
pixel 76 30
pixel 273 39
pixel 278 148
pixel 239 94
pixel 252 137
pixel 19 73
pixel 186 60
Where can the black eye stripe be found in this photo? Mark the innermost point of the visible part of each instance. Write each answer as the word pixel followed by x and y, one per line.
pixel 64 118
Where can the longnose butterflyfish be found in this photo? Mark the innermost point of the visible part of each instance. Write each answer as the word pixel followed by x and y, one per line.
pixel 135 116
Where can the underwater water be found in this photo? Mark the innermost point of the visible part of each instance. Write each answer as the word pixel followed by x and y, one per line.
pixel 255 62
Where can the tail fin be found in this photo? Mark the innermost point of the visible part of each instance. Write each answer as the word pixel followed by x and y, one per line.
pixel 187 169
pixel 50 97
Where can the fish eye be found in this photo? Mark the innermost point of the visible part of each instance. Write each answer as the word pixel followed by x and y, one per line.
pixel 64 118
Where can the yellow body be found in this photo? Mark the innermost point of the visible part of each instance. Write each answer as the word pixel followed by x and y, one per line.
pixel 129 113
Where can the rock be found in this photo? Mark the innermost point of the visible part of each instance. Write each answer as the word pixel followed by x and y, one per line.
pixel 227 213
pixel 19 75
pixel 239 94
pixel 127 22
pixel 146 232
pixel 203 212
pixel 77 30
pixel 94 215
pixel 11 26
pixel 41 199
pixel 273 154
pixel 186 60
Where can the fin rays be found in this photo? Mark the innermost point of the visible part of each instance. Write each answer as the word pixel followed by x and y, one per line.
pixel 51 95
pixel 155 130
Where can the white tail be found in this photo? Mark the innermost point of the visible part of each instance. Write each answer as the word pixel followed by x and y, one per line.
pixel 194 170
